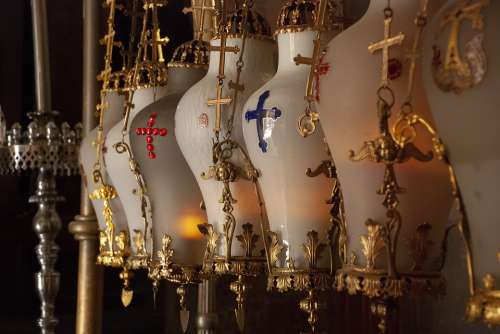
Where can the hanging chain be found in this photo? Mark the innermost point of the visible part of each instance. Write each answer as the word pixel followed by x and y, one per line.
pixel 237 86
pixel 132 83
pixel 105 75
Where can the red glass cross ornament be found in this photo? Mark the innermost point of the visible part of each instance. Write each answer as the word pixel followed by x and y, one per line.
pixel 150 132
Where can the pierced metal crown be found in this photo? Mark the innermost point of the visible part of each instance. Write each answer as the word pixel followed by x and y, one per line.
pixel 256 26
pixel 194 54
pixel 301 15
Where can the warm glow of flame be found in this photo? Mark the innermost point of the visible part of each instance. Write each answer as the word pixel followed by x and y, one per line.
pixel 189 227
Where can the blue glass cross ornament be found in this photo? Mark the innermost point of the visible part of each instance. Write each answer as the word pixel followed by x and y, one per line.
pixel 264 119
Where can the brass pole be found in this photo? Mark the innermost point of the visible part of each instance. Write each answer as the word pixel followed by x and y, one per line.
pixel 85 227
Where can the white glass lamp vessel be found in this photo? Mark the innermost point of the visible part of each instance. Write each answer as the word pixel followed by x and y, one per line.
pixel 349 117
pixel 195 121
pixel 462 75
pixel 295 202
pixel 118 164
pixel 173 191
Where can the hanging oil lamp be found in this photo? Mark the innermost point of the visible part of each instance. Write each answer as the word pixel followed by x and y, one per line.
pixel 461 71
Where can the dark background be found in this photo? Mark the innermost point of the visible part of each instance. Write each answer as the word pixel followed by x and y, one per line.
pixel 19 304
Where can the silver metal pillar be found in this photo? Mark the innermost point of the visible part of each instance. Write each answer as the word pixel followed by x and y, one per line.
pixel 41 52
pixel 206 319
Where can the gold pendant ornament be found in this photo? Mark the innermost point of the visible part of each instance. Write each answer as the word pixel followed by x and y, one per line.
pixel 457 72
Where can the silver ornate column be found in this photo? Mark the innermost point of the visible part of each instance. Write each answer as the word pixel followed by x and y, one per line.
pixel 47 225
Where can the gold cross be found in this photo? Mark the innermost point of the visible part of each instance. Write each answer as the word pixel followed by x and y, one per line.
pixel 222 49
pixel 159 44
pixel 414 54
pixel 314 60
pixel 462 12
pixel 314 63
pixel 201 22
pixel 218 103
pixel 385 45
pixel 156 41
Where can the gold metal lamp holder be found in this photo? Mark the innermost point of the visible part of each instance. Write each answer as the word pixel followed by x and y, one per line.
pixel 114 248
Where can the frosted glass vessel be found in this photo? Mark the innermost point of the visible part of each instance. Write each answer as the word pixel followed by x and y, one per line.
pixel 349 118
pixel 469 124
pixel 118 164
pixel 173 191
pixel 194 123
pixel 295 203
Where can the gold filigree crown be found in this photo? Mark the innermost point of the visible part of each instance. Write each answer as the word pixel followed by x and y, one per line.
pixel 301 15
pixel 194 54
pixel 256 26
pixel 149 74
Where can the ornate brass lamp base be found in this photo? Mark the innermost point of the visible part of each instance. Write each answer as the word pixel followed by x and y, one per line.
pixel 284 280
pixel 242 267
pixel 485 304
pixel 164 268
pixel 238 265
pixel 312 281
pixel 377 284
pixel 383 289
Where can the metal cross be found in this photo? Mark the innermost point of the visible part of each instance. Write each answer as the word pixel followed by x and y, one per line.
pixel 314 60
pixel 219 101
pixel 149 132
pixel 259 114
pixel 414 54
pixel 385 45
pixel 202 11
pixel 157 42
pixel 462 12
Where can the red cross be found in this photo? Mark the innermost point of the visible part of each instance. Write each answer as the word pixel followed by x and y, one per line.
pixel 149 132
pixel 322 69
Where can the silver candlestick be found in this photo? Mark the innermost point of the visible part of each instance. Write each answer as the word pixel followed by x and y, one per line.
pixel 47 225
pixel 50 150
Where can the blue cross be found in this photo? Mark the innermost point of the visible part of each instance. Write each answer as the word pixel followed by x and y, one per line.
pixel 259 114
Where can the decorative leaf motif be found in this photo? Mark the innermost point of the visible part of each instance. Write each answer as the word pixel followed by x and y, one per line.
pixel 248 239
pixel 212 239
pixel 373 243
pixel 275 248
pixel 139 243
pixel 166 253
pixel 313 249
